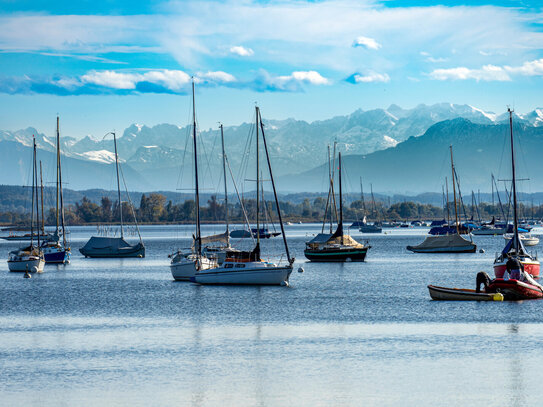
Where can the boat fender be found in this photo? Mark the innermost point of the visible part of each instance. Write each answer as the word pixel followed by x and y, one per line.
pixel 482 278
pixel 34 269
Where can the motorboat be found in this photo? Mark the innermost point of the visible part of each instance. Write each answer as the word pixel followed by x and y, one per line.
pixel 515 290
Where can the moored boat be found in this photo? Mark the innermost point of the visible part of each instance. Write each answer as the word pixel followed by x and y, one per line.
pixel 115 247
pixel 527 239
pixel 515 247
pixel 444 244
pixel 247 268
pixel 30 259
pixel 337 247
pixel 514 290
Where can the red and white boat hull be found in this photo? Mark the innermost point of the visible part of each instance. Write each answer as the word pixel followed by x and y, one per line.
pixel 530 266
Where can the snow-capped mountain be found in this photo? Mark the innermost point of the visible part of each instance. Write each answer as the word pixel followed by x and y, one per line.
pixel 295 145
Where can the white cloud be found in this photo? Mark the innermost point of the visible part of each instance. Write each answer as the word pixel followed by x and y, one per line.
pixel 242 51
pixel 489 72
pixel 286 83
pixel 218 76
pixel 366 42
pixel 531 68
pixel 111 79
pixel 371 77
pixel 311 77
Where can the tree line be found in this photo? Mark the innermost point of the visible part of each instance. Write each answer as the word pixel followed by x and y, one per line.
pixel 156 208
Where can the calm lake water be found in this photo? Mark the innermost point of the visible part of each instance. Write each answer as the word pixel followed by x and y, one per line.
pixel 122 333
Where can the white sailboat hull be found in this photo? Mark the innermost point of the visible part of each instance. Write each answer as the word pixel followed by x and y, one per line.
pixel 33 265
pixel 271 275
pixel 183 268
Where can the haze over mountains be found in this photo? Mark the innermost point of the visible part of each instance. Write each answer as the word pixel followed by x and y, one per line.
pixel 398 150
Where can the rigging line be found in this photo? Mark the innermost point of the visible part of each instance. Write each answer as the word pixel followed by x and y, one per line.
pixel 182 166
pixel 239 198
pixel 245 159
pixel 460 195
pixel 130 204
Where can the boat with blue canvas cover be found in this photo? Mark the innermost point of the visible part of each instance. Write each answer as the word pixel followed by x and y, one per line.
pixel 115 247
pixel 451 242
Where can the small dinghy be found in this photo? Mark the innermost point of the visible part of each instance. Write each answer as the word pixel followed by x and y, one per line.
pixel 462 294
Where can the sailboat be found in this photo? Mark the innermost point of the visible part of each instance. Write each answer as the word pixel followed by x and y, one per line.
pixel 55 248
pixel 218 246
pixel 247 268
pixel 375 227
pixel 515 246
pixel 30 259
pixel 185 265
pixel 114 247
pixel 337 247
pixel 450 242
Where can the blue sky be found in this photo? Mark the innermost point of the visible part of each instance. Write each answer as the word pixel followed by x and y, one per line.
pixel 103 65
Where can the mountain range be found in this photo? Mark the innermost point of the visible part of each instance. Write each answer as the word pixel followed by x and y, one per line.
pixel 378 144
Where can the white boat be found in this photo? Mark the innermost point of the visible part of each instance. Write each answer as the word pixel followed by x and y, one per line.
pixel 245 273
pixel 247 268
pixel 527 239
pixel 489 230
pixel 184 266
pixel 28 259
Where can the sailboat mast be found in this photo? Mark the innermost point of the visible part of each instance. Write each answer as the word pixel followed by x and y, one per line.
pixel 32 205
pixel 41 190
pixel 118 184
pixel 515 217
pixel 257 182
pixel 448 212
pixel 454 192
pixel 340 200
pixel 333 174
pixel 59 188
pixel 290 260
pixel 196 186
pixel 225 188
pixel 362 196
pixel 330 188
pixel 57 197
pixel 35 184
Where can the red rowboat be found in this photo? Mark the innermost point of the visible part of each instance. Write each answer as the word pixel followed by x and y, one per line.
pixel 514 290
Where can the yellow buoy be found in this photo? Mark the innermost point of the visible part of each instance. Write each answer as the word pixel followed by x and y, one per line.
pixel 497 297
